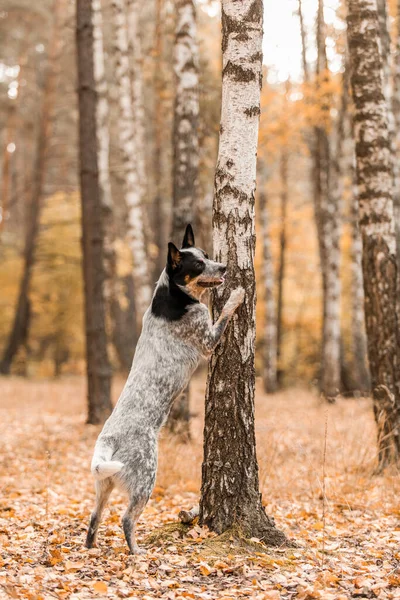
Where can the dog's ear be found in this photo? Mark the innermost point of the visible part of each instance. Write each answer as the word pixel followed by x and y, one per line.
pixel 188 238
pixel 174 256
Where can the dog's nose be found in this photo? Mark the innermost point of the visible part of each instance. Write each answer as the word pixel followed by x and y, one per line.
pixel 223 269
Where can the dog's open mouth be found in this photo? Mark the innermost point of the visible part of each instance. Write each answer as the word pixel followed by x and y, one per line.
pixel 209 283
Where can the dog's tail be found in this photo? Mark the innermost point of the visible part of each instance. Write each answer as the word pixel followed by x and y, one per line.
pixel 102 465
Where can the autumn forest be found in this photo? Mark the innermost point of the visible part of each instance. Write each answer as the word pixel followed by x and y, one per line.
pixel 200 299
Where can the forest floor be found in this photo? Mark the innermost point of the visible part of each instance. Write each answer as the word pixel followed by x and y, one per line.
pixel 348 544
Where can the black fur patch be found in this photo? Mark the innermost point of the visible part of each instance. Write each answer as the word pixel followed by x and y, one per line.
pixel 171 303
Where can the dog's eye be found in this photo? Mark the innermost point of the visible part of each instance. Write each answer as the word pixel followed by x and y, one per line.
pixel 200 263
pixel 206 255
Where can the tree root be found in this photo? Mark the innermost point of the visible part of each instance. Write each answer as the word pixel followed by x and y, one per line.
pixel 170 532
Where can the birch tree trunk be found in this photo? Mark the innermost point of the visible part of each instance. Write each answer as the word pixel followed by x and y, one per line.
pixel 185 165
pixel 128 148
pixel 159 218
pixel 103 151
pixel 269 373
pixel 124 331
pixel 384 38
pixel 375 186
pixel 345 162
pixel 102 110
pixel 97 364
pixel 230 496
pixel 19 331
pixel 303 43
pixel 186 112
pixel 328 227
pixel 136 63
pixel 396 81
pixel 361 374
pixel 388 90
pixel 327 217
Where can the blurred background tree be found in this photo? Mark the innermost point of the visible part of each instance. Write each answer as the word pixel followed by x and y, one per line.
pixel 306 173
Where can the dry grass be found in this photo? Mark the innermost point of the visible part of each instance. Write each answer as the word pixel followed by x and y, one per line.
pixel 46 487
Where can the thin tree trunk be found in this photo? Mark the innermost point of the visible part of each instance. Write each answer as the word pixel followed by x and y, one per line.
pixel 128 147
pixel 203 220
pixel 303 44
pixel 97 364
pixel 357 375
pixel 384 38
pixel 159 218
pixel 327 217
pixel 124 332
pixel 230 496
pixel 186 112
pixel 269 372
pixel 19 331
pixel 185 166
pixel 282 257
pixel 135 53
pixel 137 89
pixel 375 186
pixel 103 152
pixel 396 81
pixel 360 371
pixel 388 90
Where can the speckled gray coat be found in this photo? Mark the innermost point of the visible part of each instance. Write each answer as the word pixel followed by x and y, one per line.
pixel 166 356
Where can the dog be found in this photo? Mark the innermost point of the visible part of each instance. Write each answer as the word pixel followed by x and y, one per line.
pixel 177 331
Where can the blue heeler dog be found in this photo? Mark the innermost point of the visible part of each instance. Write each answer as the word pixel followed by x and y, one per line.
pixel 177 332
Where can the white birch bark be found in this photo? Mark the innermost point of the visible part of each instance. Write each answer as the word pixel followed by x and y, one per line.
pixel 102 111
pixel 359 340
pixel 103 150
pixel 128 147
pixel 230 487
pixel 185 164
pixel 159 216
pixel 136 62
pixel 327 210
pixel 186 112
pixel 388 90
pixel 376 217
pixel 270 332
pixel 303 35
pixel 384 39
pixel 396 82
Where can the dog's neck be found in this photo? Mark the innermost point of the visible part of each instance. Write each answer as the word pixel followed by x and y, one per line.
pixel 169 301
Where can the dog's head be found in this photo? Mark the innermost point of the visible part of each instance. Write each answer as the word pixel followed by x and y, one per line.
pixel 191 269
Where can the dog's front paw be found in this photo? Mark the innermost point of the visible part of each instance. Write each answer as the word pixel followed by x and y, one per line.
pixel 235 299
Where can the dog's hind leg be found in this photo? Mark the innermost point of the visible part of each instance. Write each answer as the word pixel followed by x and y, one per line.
pixel 129 521
pixel 103 491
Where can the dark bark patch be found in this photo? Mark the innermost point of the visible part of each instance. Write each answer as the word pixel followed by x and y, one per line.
pixel 253 111
pixel 242 37
pixel 372 217
pixel 235 192
pixel 220 175
pixel 238 73
pixel 255 12
pixel 256 57
pixel 364 149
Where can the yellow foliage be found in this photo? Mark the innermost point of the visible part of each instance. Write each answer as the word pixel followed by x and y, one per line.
pixel 57 327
